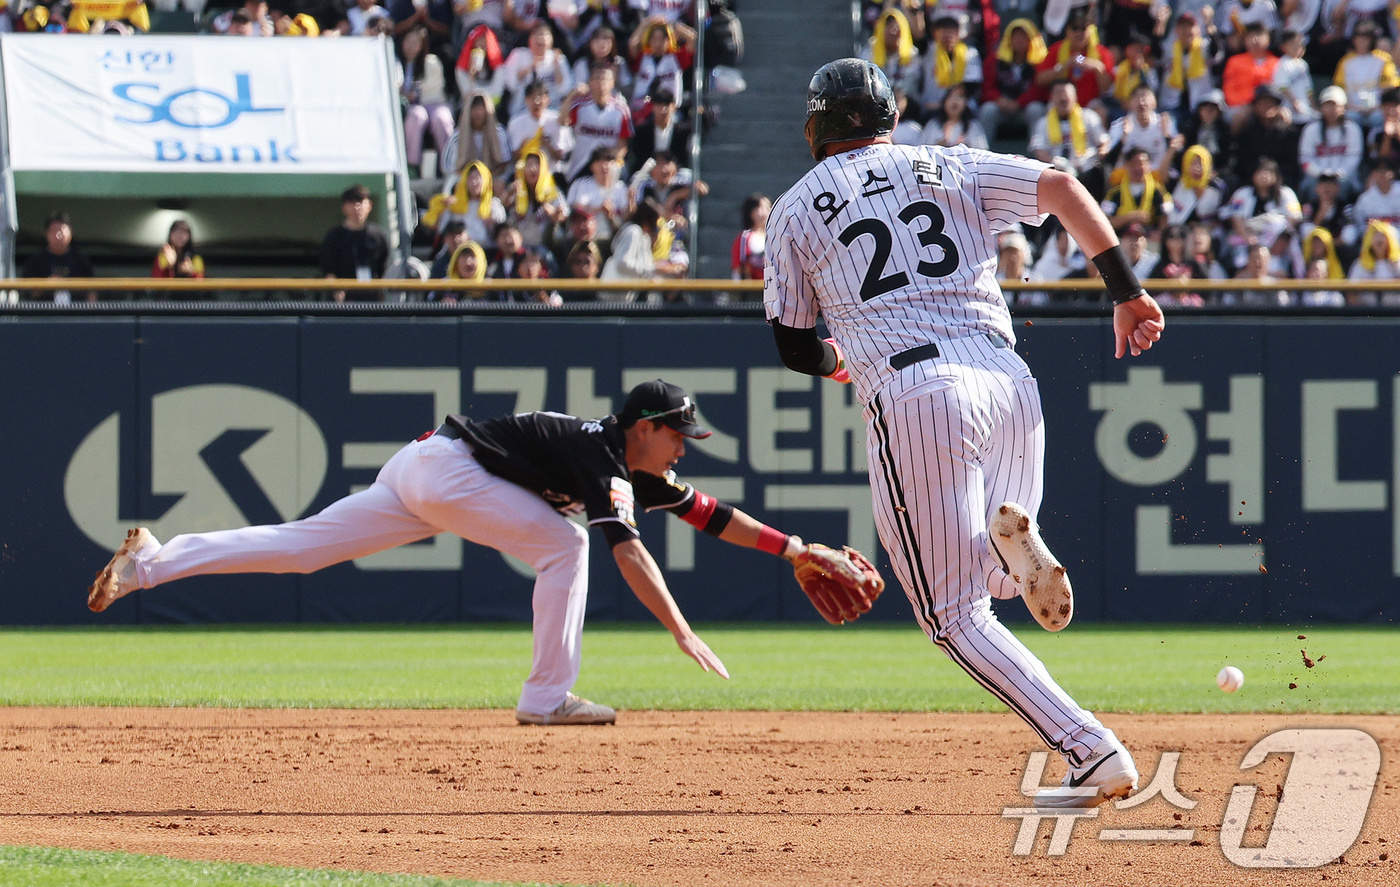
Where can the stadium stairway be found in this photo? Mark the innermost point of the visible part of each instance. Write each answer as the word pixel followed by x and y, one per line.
pixel 757 144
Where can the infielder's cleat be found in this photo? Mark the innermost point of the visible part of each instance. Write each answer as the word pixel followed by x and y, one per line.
pixel 1107 773
pixel 118 578
pixel 573 710
pixel 1015 541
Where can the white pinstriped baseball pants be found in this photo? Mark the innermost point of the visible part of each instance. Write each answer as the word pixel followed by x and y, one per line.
pixel 428 487
pixel 950 439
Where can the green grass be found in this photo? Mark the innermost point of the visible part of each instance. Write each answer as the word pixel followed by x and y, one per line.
pixel 46 867
pixel 861 667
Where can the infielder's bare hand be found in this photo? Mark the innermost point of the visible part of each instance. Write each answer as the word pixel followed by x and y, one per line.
pixel 698 650
pixel 1137 323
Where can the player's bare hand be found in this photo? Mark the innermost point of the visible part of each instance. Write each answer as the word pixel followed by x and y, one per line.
pixel 696 649
pixel 1137 323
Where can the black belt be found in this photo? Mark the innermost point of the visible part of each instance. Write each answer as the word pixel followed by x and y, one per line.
pixel 914 355
pixel 930 351
pixel 448 432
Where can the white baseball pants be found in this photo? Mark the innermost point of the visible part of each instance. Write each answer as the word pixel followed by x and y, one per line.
pixel 428 487
pixel 949 440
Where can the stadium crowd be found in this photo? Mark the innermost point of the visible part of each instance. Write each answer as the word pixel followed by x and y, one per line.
pixel 1251 140
pixel 1255 141
pixel 560 131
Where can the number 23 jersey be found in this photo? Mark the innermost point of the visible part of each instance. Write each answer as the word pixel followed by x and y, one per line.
pixel 896 246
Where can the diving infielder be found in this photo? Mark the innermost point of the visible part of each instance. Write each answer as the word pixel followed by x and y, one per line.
pixel 506 483
pixel 896 247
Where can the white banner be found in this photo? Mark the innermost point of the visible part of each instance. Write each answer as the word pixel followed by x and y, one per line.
pixel 199 104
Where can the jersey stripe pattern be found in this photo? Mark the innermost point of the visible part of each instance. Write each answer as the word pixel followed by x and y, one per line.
pixel 895 247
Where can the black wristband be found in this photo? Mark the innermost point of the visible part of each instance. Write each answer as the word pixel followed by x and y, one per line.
pixel 1118 277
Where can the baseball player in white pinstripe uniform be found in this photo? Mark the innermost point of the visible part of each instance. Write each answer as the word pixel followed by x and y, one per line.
pixel 895 246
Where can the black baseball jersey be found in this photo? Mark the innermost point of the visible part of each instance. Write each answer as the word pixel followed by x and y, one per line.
pixel 574 465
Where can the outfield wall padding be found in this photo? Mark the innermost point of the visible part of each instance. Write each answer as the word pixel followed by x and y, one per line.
pixel 1243 471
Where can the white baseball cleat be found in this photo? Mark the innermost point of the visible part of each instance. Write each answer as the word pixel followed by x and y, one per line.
pixel 1107 773
pixel 118 578
pixel 1015 540
pixel 573 710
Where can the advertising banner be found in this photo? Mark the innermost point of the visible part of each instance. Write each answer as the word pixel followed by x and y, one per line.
pixel 166 103
pixel 1243 471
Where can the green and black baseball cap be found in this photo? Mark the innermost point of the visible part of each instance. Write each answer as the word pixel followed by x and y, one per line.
pixel 666 403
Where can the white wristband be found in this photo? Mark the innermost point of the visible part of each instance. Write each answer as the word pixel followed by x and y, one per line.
pixel 794 547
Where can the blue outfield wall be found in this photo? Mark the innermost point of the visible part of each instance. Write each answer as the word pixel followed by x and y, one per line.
pixel 1243 471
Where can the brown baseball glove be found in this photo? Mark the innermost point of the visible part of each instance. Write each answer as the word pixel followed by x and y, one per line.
pixel 841 584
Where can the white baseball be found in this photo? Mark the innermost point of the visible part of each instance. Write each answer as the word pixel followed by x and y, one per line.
pixel 1229 679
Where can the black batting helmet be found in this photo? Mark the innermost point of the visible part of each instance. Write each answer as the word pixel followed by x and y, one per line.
pixel 848 99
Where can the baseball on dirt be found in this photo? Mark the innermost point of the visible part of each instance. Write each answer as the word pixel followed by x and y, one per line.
pixel 1229 679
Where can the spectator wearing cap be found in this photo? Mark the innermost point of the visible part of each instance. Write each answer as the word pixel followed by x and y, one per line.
pixel 949 62
pixel 356 249
pixel 1208 128
pixel 1266 132
pixel 1188 57
pixel 1364 73
pixel 891 49
pixel 1008 85
pixel 1080 59
pixel 664 130
pixel 1234 17
pixel 1198 193
pixel 1135 245
pixel 602 192
pixel 539 127
pixel 360 18
pixel 1247 71
pixel 1293 79
pixel 1383 142
pixel 1333 143
pixel 1139 199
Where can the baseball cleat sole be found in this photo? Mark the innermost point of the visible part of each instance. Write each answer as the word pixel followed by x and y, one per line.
pixel 1044 582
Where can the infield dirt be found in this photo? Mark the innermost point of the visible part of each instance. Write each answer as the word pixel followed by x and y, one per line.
pixel 662 798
